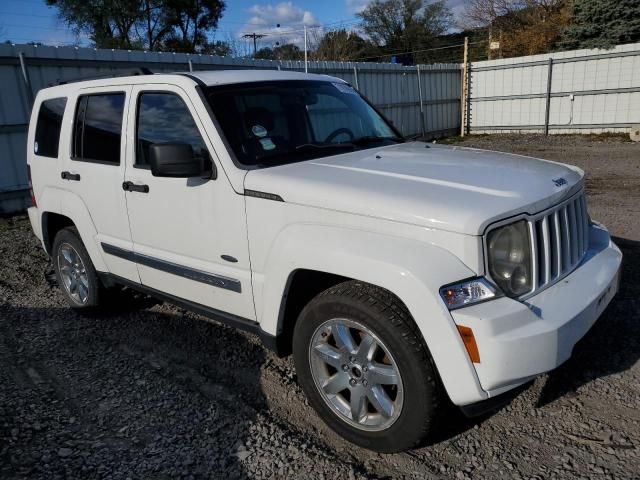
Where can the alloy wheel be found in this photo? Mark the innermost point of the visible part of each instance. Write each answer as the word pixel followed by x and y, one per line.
pixel 356 374
pixel 73 273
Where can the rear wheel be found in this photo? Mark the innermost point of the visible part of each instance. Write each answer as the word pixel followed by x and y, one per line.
pixel 364 366
pixel 75 272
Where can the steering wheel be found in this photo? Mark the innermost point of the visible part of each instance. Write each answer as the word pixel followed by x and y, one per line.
pixel 339 131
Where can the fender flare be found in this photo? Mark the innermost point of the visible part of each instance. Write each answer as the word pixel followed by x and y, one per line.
pixel 68 204
pixel 413 271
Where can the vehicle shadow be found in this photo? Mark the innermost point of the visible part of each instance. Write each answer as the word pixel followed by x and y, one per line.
pixel 613 344
pixel 156 393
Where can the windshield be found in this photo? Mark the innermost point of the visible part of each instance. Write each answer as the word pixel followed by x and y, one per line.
pixel 274 123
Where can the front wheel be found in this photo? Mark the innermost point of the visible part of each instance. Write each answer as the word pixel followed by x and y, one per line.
pixel 365 369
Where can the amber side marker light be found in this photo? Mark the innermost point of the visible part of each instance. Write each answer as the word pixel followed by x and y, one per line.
pixel 470 343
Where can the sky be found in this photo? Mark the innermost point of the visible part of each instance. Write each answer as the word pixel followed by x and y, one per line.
pixel 22 21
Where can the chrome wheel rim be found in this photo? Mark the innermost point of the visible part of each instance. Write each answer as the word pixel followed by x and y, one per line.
pixel 73 274
pixel 356 374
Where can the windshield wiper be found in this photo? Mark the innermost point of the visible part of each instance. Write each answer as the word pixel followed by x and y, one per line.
pixel 315 146
pixel 367 139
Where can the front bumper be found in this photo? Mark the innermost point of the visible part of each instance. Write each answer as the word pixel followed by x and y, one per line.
pixel 519 340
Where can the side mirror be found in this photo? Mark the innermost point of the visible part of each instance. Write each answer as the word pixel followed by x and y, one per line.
pixel 174 160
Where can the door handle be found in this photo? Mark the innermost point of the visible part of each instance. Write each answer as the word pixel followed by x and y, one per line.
pixel 132 187
pixel 70 176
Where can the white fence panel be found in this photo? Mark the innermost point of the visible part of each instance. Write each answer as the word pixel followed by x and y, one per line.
pixel 581 91
pixel 392 88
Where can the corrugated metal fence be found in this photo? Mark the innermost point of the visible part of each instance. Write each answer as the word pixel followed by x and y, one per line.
pixel 580 91
pixel 25 69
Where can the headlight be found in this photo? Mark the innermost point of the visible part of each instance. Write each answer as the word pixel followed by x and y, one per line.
pixel 467 292
pixel 509 255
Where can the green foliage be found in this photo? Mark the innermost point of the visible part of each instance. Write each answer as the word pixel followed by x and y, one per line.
pixel 288 51
pixel 602 24
pixel 222 49
pixel 265 53
pixel 342 46
pixel 176 25
pixel 405 25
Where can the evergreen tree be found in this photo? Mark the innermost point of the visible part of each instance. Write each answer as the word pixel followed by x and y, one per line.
pixel 602 24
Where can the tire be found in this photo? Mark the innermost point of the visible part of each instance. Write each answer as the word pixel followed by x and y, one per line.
pixel 88 291
pixel 367 312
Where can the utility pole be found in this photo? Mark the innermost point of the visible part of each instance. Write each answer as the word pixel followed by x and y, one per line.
pixel 255 37
pixel 306 67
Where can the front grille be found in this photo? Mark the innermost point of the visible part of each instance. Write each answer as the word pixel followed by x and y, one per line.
pixel 560 238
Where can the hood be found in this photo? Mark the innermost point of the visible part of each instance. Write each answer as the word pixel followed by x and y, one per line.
pixel 449 188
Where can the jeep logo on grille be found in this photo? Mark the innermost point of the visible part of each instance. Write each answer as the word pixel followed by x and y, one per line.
pixel 558 182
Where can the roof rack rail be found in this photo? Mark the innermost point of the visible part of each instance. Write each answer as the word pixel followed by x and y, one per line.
pixel 128 73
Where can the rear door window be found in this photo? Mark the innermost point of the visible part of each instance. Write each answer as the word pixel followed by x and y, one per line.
pixel 97 132
pixel 49 123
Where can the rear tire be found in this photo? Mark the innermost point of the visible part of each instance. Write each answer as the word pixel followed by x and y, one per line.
pixel 363 364
pixel 75 273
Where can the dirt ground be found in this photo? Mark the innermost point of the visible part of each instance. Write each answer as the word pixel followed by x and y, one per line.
pixel 157 392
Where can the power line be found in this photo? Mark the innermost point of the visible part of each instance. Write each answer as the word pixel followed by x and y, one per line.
pixel 384 54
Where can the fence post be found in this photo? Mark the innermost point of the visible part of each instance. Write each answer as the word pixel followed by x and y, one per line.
pixel 190 66
pixel 422 129
pixel 548 105
pixel 26 78
pixel 355 77
pixel 464 91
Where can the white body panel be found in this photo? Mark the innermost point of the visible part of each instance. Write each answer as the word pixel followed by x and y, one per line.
pixel 191 223
pixel 518 341
pixel 406 218
pixel 99 190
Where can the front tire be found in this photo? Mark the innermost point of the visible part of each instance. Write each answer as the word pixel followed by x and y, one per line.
pixel 75 272
pixel 364 367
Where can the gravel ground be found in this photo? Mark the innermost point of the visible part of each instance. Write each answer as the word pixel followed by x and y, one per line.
pixel 157 392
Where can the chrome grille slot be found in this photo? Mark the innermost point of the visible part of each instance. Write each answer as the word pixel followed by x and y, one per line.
pixel 559 238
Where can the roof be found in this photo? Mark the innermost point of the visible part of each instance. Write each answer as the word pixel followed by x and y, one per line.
pixel 222 77
pixel 209 78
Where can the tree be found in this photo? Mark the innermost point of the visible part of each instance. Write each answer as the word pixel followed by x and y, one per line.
pixel 109 23
pixel 522 27
pixel 192 19
pixel 602 24
pixel 178 25
pixel 218 47
pixel 265 53
pixel 341 46
pixel 405 25
pixel 288 51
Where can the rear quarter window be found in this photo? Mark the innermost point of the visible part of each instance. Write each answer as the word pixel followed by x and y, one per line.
pixel 48 125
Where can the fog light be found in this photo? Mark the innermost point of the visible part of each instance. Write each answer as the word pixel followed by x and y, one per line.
pixel 467 293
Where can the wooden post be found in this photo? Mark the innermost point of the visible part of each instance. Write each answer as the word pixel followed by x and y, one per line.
pixel 422 127
pixel 547 109
pixel 464 90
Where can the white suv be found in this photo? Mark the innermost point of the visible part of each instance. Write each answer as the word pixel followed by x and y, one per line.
pixel 401 275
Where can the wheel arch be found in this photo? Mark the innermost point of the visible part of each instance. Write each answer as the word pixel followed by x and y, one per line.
pixel 66 209
pixel 412 271
pixel 52 223
pixel 301 287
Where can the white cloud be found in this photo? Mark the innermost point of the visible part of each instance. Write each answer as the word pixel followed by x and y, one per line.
pixel 291 18
pixel 356 6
